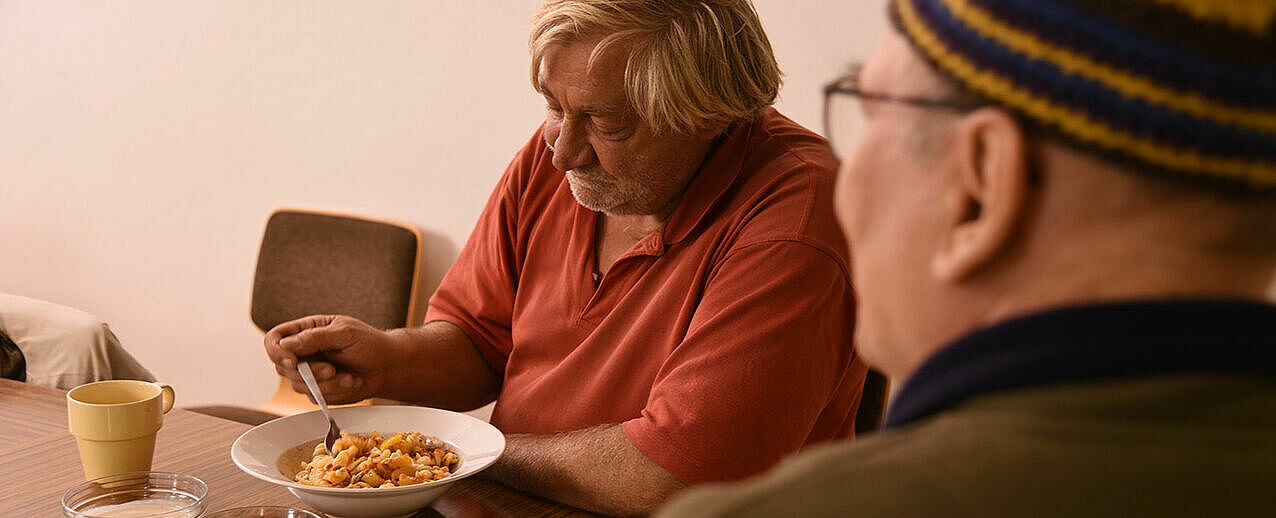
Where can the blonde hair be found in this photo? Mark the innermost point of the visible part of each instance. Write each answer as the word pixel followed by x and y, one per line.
pixel 695 62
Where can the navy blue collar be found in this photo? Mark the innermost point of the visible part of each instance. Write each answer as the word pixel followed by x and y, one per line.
pixel 1093 342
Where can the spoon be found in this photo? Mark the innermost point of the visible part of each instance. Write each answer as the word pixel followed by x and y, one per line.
pixel 334 432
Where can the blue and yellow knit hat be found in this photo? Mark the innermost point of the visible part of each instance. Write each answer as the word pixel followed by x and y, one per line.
pixel 1180 86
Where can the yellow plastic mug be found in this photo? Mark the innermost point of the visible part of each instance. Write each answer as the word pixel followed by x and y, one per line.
pixel 114 424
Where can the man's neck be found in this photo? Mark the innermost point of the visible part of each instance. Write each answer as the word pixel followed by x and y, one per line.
pixel 1089 268
pixel 636 226
pixel 617 234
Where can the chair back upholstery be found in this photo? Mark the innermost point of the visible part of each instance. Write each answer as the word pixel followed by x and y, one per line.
pixel 314 262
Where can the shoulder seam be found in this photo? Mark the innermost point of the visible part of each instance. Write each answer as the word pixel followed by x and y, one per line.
pixel 797 240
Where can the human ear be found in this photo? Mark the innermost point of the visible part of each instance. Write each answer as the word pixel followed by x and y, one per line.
pixel 988 195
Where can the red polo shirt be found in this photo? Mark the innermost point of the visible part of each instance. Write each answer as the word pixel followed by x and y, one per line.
pixel 722 342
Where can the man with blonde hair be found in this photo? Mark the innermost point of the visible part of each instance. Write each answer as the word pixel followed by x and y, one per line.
pixel 1063 221
pixel 656 294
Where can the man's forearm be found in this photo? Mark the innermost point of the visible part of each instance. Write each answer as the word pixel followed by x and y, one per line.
pixel 597 469
pixel 439 366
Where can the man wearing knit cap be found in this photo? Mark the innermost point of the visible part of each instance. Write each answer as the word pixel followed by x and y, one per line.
pixel 1062 217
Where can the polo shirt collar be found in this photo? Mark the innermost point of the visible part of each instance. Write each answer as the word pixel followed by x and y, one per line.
pixel 1093 342
pixel 711 182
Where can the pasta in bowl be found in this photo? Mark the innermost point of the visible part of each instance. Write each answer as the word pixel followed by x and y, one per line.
pixel 368 460
pixel 281 450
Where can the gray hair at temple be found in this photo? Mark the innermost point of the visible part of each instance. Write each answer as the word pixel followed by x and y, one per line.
pixel 695 64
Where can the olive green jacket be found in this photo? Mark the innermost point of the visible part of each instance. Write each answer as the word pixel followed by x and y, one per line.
pixel 1168 445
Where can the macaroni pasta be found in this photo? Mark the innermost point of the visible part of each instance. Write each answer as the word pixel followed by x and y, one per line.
pixel 370 460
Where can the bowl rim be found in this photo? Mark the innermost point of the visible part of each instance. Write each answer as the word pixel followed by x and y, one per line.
pixel 487 458
pixel 261 507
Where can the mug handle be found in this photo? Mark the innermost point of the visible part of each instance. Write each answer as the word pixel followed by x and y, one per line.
pixel 167 396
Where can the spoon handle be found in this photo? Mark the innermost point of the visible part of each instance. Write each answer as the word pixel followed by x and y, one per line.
pixel 309 377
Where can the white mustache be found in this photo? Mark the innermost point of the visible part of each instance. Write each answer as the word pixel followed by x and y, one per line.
pixel 591 176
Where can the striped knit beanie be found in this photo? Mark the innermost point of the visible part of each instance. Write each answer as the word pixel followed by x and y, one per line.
pixel 1178 86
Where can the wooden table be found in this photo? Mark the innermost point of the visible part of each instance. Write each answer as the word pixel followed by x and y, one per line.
pixel 40 462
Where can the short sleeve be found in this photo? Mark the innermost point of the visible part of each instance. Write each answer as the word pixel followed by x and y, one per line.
pixel 768 350
pixel 477 294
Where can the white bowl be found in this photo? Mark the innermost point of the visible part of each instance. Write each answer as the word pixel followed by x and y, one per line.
pixel 478 444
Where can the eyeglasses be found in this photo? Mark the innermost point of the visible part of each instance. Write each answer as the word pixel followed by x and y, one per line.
pixel 844 120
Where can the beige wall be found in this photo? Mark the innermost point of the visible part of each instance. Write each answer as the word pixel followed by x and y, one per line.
pixel 144 143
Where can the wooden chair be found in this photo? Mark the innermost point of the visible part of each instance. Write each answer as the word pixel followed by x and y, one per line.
pixel 317 262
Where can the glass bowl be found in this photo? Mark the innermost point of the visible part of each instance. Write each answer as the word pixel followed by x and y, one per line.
pixel 263 512
pixel 152 494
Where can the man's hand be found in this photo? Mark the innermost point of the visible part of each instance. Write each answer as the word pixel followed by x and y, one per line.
pixel 597 469
pixel 350 359
pixel 434 365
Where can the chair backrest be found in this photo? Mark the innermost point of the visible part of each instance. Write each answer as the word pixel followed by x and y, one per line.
pixel 314 262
